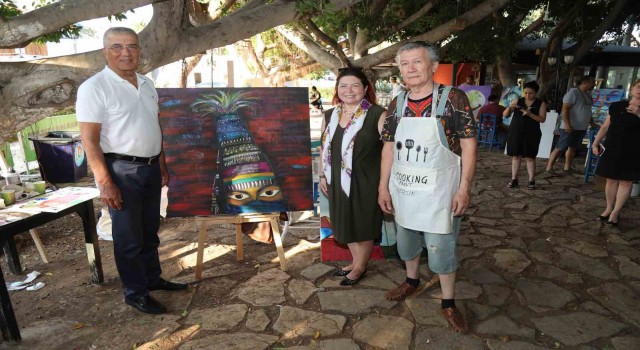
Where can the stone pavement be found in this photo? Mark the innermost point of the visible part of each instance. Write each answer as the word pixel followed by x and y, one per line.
pixel 536 272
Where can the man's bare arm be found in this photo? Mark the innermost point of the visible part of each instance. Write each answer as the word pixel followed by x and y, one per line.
pixel 462 198
pixel 109 192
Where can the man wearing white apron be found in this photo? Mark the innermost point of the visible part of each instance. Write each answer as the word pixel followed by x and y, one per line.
pixel 428 163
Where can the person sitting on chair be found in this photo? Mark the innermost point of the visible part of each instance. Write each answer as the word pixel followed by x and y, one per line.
pixel 494 108
pixel 315 100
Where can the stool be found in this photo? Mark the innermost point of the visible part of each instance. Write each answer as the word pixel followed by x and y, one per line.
pixel 238 220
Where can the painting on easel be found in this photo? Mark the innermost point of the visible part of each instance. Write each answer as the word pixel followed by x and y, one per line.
pixel 233 151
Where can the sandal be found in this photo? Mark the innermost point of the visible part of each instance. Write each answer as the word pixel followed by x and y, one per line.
pixel 401 292
pixel 349 282
pixel 455 319
pixel 602 218
pixel 611 223
pixel 513 184
pixel 531 185
pixel 340 272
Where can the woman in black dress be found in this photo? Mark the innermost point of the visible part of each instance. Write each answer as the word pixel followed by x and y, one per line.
pixel 351 153
pixel 620 163
pixel 524 132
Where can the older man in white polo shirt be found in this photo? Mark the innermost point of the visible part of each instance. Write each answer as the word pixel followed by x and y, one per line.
pixel 117 110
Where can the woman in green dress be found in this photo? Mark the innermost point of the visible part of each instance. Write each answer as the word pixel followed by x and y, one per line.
pixel 351 152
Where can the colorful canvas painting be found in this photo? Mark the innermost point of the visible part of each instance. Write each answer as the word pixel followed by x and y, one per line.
pixel 602 99
pixel 478 96
pixel 233 151
pixel 508 94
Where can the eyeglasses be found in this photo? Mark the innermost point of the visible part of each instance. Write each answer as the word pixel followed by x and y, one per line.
pixel 117 48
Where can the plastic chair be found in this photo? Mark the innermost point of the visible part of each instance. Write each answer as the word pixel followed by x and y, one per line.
pixel 487 133
pixel 592 160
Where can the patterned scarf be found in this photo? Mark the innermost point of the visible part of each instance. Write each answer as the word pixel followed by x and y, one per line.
pixel 350 132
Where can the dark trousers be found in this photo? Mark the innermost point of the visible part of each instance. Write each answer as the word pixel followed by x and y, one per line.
pixel 135 226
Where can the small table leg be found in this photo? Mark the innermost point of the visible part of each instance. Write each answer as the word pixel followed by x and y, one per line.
pixel 91 241
pixel 13 258
pixel 8 323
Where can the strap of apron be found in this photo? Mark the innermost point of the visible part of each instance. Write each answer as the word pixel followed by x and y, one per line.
pixel 443 100
pixel 401 104
pixel 440 102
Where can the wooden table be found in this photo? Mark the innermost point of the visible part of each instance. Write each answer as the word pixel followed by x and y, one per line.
pixel 8 323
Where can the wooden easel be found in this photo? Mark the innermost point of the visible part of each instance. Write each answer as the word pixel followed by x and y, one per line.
pixel 203 221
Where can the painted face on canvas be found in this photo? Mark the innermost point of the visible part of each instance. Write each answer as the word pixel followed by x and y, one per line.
pixel 266 194
pixel 350 90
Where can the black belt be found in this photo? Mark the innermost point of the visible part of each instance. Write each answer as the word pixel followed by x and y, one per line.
pixel 133 159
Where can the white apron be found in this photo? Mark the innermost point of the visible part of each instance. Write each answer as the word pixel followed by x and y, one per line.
pixel 425 175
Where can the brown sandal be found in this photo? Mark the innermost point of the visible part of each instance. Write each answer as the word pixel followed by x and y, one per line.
pixel 401 292
pixel 455 319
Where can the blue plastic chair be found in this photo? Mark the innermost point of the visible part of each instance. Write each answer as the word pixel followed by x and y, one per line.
pixel 487 133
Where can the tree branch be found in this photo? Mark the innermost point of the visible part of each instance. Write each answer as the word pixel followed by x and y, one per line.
pixel 556 36
pixel 311 48
pixel 612 16
pixel 436 34
pixel 327 40
pixel 224 6
pixel 19 31
pixel 407 22
pixel 535 25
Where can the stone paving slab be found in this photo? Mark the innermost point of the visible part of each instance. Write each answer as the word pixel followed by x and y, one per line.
pixel 626 343
pixel 232 341
pixel 257 320
pixel 444 338
pixel 504 326
pixel 544 293
pixel 512 345
pixel 313 272
pixel 375 331
pixel 353 302
pixel 265 288
pixel 301 290
pixel 593 267
pixel 577 327
pixel 426 311
pixel 511 261
pixel 220 318
pixel 294 322
pixel 147 328
pixel 620 299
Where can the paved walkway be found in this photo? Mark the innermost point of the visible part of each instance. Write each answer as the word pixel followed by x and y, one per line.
pixel 536 272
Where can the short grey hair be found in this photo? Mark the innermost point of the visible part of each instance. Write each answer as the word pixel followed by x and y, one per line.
pixel 432 51
pixel 117 30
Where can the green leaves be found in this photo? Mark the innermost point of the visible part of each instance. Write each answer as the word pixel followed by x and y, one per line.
pixel 222 102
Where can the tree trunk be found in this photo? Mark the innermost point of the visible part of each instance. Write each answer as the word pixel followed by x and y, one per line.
pixel 187 67
pixel 505 71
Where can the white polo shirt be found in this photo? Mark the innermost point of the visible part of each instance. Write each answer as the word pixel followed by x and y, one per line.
pixel 129 116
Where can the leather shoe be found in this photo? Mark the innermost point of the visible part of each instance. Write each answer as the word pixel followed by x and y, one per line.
pixel 146 304
pixel 166 285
